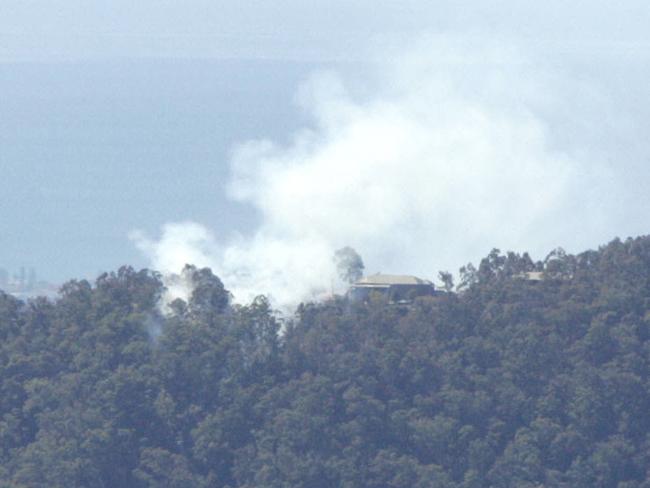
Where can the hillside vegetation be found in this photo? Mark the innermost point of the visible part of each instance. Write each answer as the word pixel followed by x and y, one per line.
pixel 508 383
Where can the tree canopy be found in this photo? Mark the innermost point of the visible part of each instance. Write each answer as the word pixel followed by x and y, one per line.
pixel 510 382
pixel 348 264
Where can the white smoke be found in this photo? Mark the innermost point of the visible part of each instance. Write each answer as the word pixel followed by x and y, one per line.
pixel 181 243
pixel 450 154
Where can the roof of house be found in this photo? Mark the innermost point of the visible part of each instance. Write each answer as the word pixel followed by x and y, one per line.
pixel 532 275
pixel 386 280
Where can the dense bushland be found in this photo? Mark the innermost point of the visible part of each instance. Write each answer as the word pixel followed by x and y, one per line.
pixel 508 383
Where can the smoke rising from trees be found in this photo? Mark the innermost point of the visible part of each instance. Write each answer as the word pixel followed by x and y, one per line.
pixel 445 154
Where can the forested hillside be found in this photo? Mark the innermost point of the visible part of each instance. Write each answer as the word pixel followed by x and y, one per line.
pixel 507 383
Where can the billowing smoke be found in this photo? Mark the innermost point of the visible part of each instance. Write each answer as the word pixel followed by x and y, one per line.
pixel 181 243
pixel 449 154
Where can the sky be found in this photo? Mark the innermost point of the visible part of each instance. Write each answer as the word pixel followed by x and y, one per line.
pixel 258 137
pixel 299 30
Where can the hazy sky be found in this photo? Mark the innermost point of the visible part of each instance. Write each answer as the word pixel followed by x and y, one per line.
pixel 117 115
pixel 297 29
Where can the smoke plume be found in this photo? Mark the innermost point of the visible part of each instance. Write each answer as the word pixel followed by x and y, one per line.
pixel 440 156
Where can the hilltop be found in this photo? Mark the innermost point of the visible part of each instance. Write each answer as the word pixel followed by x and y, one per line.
pixel 508 383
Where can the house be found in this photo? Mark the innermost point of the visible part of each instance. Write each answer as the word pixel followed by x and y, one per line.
pixel 532 276
pixel 398 288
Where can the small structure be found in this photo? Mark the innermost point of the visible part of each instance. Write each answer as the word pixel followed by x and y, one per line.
pixel 398 288
pixel 532 276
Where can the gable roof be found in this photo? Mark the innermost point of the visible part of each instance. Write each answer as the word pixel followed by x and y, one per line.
pixel 385 280
pixel 531 275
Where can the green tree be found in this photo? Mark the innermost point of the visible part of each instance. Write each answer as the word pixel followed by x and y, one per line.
pixel 348 264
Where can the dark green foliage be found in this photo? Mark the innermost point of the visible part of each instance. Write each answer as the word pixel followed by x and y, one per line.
pixel 348 264
pixel 511 383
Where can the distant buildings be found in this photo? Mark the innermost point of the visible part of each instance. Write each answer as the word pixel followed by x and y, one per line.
pixel 397 288
pixel 4 278
pixel 24 284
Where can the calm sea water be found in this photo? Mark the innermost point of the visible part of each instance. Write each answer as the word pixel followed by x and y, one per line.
pixel 90 151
